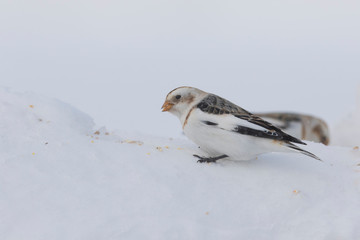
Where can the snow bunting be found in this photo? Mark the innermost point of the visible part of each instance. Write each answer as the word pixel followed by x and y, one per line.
pixel 224 130
pixel 299 125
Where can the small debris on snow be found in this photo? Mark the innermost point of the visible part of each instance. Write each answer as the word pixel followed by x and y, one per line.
pixel 159 149
pixel 356 148
pixel 31 106
pixel 133 142
pixel 101 131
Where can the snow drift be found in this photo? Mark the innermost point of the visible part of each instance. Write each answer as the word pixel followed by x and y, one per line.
pixel 62 179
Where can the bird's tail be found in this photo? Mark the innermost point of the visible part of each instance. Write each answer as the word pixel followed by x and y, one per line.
pixel 300 150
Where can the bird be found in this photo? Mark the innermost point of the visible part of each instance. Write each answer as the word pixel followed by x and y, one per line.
pixel 302 126
pixel 223 130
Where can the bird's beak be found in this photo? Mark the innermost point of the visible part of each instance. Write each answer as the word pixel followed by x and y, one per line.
pixel 167 106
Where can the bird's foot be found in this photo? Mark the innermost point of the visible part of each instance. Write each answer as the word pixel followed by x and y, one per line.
pixel 209 159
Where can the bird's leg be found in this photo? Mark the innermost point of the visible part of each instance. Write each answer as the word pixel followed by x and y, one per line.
pixel 209 159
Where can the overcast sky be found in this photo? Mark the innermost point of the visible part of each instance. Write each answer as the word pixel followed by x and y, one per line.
pixel 117 60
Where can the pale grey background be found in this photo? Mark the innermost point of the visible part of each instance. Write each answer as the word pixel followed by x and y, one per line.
pixel 117 60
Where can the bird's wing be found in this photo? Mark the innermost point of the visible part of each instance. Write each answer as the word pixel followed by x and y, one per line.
pixel 237 119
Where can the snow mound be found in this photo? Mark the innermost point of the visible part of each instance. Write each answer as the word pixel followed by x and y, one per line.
pixel 347 131
pixel 62 179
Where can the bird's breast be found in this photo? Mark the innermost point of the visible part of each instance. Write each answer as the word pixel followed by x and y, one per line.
pixel 186 118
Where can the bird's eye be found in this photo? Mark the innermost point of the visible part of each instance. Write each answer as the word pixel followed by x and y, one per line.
pixel 178 97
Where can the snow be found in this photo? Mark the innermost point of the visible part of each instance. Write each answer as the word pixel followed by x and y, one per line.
pixel 346 132
pixel 62 178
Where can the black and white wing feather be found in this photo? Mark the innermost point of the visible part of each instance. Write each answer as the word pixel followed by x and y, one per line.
pixel 246 123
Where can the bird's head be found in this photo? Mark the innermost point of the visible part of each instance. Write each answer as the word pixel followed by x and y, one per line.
pixel 181 99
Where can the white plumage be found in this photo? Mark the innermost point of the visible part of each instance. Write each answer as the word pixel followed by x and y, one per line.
pixel 223 129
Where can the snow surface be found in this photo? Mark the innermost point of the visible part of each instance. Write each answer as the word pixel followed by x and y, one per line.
pixel 347 131
pixel 62 179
